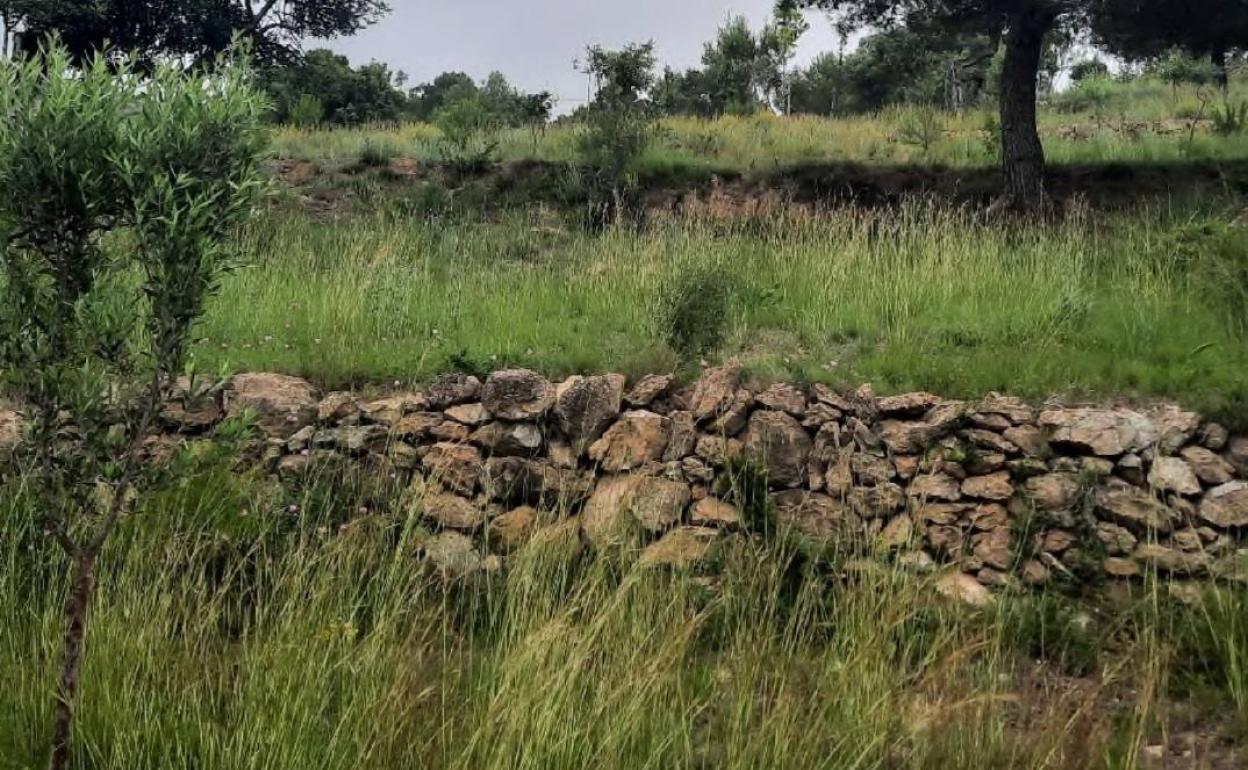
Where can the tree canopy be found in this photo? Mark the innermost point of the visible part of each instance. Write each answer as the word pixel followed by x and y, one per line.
pixel 193 29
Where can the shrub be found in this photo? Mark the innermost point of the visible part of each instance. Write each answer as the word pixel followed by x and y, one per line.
pixel 93 338
pixel 469 132
pixel 692 311
pixel 1230 118
pixel 921 127
pixel 377 153
pixel 307 110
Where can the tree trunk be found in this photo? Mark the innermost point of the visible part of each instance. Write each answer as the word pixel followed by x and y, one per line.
pixel 1220 73
pixel 1022 154
pixel 77 606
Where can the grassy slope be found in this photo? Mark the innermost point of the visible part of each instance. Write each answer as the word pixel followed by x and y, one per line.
pixel 928 297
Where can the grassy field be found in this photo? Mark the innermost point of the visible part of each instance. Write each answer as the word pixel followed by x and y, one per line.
pixel 1137 122
pixel 233 635
pixel 1150 302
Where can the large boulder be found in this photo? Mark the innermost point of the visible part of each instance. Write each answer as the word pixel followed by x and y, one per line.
pixel 783 446
pixel 620 503
pixel 1226 506
pixel 816 515
pixel 585 406
pixel 456 466
pixel 637 438
pixel 280 404
pixel 517 394
pixel 1103 432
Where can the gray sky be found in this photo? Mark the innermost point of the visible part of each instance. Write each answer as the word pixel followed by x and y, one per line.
pixel 534 42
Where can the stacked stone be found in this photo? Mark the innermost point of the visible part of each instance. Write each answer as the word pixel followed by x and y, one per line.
pixel 1006 491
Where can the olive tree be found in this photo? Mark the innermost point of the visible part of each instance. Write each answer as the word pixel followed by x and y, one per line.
pixel 130 189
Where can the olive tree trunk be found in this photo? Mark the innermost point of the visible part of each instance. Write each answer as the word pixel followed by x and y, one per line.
pixel 77 606
pixel 1022 154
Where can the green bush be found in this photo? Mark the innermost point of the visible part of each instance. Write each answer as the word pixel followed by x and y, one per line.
pixel 692 311
pixel 377 153
pixel 306 111
pixel 469 132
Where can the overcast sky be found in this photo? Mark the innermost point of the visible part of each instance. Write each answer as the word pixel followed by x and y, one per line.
pixel 534 42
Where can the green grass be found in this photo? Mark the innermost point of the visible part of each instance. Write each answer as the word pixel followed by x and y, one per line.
pixel 1146 302
pixel 231 634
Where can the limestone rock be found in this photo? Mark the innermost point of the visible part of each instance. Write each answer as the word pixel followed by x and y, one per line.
pixel 715 393
pixel 337 407
pixel 783 398
pixel 682 548
pixel 472 415
pixel 682 436
pixel 356 439
pixel 906 404
pixel 869 469
pixel 1237 455
pixel 878 501
pixel 517 395
pixel 280 404
pixel 186 412
pixel 898 533
pixel 1172 560
pixel 1030 441
pixel 1134 508
pixel 1117 540
pixel 995 486
pixel 585 406
pixel 987 440
pixel 994 548
pixel 637 438
pixel 647 389
pixel 514 479
pixel 1056 541
pixel 450 431
pixel 1207 466
pixel 451 389
pixel 1104 432
pixel 620 502
pixel 1053 491
pixel 1015 410
pixel 509 439
pixel 907 437
pixel 815 515
pixel 1170 474
pixel 938 487
pixel 1176 427
pixel 711 512
pixel 452 554
pixel 416 426
pixel 452 511
pixel 779 441
pixel 1226 506
pixel 510 530
pixel 717 450
pixel 1119 567
pixel 1213 436
pixel 456 466
pixel 389 410
pixel 964 589
pixel 733 419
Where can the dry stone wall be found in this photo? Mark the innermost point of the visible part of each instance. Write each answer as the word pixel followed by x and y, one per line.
pixel 1007 491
